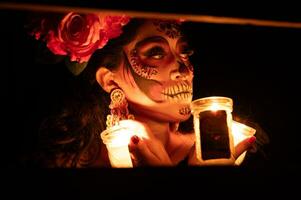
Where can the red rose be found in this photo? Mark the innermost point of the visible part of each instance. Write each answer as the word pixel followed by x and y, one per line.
pixel 113 25
pixel 77 36
pixel 80 35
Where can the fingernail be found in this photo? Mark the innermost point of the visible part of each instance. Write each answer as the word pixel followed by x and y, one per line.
pixel 135 139
pixel 252 139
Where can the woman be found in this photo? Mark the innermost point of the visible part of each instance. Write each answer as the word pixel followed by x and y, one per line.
pixel 149 65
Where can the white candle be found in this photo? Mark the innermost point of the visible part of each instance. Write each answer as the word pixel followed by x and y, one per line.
pixel 117 139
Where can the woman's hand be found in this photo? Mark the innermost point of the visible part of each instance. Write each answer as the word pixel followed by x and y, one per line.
pixel 240 148
pixel 243 146
pixel 148 152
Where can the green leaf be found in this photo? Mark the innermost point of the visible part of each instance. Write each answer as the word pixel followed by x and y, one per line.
pixel 74 67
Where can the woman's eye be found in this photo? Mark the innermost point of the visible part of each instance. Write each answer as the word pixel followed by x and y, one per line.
pixel 158 56
pixel 186 53
pixel 155 53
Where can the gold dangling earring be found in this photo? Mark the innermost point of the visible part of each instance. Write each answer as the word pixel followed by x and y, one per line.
pixel 118 107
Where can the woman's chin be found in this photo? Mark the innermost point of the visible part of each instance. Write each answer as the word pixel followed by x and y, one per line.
pixel 176 113
pixel 164 111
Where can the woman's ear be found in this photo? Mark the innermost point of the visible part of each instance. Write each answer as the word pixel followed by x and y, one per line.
pixel 105 78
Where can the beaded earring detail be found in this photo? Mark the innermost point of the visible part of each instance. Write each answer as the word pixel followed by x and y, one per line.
pixel 118 107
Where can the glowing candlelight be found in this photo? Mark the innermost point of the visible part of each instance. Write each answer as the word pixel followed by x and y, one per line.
pixel 240 132
pixel 214 107
pixel 117 139
pixel 212 118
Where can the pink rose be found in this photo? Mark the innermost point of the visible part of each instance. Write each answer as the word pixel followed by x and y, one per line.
pixel 77 36
pixel 113 25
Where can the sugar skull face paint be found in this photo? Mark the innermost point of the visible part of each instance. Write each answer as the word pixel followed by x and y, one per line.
pixel 156 75
pixel 143 70
pixel 170 28
pixel 185 110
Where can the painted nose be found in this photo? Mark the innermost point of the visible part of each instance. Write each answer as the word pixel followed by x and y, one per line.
pixel 181 73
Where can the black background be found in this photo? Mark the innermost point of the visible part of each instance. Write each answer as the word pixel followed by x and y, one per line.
pixel 256 66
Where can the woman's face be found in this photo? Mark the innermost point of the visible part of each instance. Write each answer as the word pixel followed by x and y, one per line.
pixel 156 74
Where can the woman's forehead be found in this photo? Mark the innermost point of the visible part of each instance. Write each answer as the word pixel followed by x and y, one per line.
pixel 170 30
pixel 164 29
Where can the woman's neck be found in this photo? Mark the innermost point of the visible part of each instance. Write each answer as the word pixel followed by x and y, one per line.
pixel 160 130
pixel 176 144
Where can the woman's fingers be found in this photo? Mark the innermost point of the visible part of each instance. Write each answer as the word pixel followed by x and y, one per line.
pixel 243 146
pixel 148 152
pixel 152 153
pixel 132 149
pixel 240 148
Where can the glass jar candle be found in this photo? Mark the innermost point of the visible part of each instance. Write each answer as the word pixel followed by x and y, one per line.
pixel 212 119
pixel 117 139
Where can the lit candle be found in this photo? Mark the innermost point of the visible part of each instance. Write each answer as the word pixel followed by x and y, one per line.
pixel 117 139
pixel 213 130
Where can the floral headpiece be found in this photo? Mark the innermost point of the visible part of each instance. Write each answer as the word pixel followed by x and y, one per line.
pixel 79 35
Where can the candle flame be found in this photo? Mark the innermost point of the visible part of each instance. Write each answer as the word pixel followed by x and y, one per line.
pixel 214 107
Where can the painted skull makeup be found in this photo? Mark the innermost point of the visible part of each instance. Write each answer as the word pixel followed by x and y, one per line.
pixel 146 61
pixel 170 28
pixel 141 69
pixel 185 111
pixel 157 74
